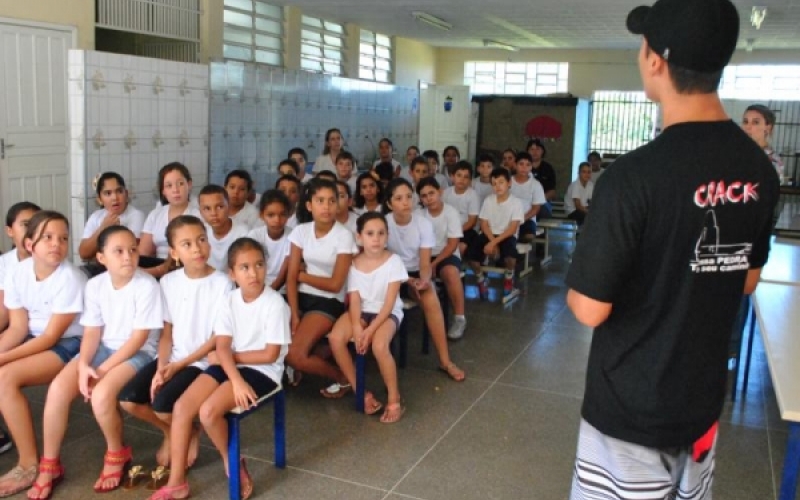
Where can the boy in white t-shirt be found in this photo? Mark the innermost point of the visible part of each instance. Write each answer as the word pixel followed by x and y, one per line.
pixel 466 201
pixel 344 169
pixel 432 158
pixel 500 218
pixel 222 230
pixel 291 187
pixel 579 193
pixel 301 159
pixel 274 237
pixel 419 170
pixel 239 184
pixel 482 184
pixel 530 192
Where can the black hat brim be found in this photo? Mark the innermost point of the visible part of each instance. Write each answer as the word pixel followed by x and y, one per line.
pixel 636 19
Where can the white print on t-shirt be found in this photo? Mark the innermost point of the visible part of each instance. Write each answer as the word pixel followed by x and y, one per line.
pixel 711 256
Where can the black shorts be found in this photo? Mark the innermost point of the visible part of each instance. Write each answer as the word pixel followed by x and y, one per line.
pixel 328 307
pixel 508 249
pixel 260 383
pixel 452 260
pixel 405 288
pixel 469 236
pixel 527 228
pixel 137 390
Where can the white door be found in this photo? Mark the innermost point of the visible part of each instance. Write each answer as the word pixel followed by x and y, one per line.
pixel 442 124
pixel 34 143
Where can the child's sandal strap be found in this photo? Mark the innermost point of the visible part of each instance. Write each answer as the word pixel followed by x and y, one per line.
pixel 50 466
pixel 118 457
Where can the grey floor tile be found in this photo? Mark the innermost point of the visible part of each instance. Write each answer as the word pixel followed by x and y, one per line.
pixel 743 467
pixel 514 443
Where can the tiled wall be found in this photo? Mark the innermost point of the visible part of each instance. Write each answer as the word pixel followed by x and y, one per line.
pixel 260 112
pixel 133 115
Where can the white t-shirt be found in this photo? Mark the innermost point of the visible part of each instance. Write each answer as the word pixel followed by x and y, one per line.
pixel 406 241
pixel 372 287
pixel 350 223
pixel 483 189
pixel 191 306
pixel 256 324
pixel 156 225
pixel 277 251
pixel 291 223
pixel 248 216
pixel 500 215
pixel 320 254
pixel 132 218
pixel 352 182
pixel 324 162
pixel 219 247
pixel 59 293
pixel 8 262
pixel 364 209
pixel 443 180
pixel 530 193
pixel 406 174
pixel 446 225
pixel 596 175
pixel 136 306
pixel 578 190
pixel 467 203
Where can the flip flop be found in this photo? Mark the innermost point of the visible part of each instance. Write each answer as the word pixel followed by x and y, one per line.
pixel 336 390
pixel 245 480
pixel 371 405
pixel 393 413
pixel 454 372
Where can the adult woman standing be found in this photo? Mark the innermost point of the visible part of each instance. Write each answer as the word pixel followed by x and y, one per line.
pixel 758 122
pixel 333 146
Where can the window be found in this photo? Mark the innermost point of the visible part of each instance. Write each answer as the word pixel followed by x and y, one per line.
pixel 760 82
pixel 321 46
pixel 496 77
pixel 375 58
pixel 621 121
pixel 253 31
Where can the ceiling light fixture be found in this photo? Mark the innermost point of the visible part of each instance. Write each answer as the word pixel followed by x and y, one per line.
pixel 432 20
pixel 499 45
pixel 757 16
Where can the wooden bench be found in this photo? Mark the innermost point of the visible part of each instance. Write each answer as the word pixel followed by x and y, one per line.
pixel 778 311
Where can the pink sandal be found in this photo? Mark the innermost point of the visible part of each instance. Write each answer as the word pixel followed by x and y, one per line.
pixel 169 492
pixel 50 466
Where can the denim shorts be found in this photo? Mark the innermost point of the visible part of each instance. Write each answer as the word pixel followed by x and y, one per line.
pixel 137 361
pixel 66 348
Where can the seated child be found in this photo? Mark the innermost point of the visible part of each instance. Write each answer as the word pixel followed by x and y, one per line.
pixel 369 194
pixel 432 157
pixel 529 191
pixel 374 313
pixel 385 155
pixel 223 230
pixel 289 167
pixel 326 174
pixel 17 220
pixel 112 195
pixel 239 184
pixel 252 336
pixel 579 194
pixel 500 218
pixel 344 212
pixel 411 153
pixel 466 201
pixel 274 237
pixel 509 160
pixel 446 261
pixel 419 170
pixel 384 173
pixel 483 183
pixel 345 165
pixel 301 158
pixel 291 187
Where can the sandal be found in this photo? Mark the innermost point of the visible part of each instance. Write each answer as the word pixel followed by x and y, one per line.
pixel 393 413
pixel 245 481
pixel 120 458
pixel 169 492
pixel 158 478
pixel 454 372
pixel 21 479
pixel 336 390
pixel 50 466
pixel 135 476
pixel 371 405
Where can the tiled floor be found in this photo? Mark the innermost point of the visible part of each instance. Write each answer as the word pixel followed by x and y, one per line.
pixel 507 432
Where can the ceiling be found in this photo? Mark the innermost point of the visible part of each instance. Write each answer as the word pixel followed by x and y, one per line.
pixel 536 23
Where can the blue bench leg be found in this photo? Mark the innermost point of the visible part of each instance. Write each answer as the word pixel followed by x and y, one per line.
pixel 279 408
pixel 791 462
pixel 360 377
pixel 403 343
pixel 748 355
pixel 234 487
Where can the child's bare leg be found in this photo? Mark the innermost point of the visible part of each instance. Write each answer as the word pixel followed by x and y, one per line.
pixel 212 416
pixel 161 421
pixel 106 411
pixel 311 329
pixel 451 277
pixel 338 339
pixel 435 321
pixel 186 408
pixel 381 348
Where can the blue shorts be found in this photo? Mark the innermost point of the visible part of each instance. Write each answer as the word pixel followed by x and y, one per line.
pixel 66 348
pixel 137 361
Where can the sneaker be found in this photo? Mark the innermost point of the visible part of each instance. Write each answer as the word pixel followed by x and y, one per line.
pixel 457 328
pixel 483 288
pixel 508 286
pixel 5 442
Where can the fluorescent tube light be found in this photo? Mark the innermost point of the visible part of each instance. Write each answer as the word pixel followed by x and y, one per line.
pixel 432 20
pixel 499 45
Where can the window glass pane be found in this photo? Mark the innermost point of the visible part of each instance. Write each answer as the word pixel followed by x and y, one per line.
pixel 310 65
pixel 310 50
pixel 335 68
pixel 383 40
pixel 366 61
pixel 236 52
pixel 268 25
pixel 383 64
pixel 367 49
pixel 268 42
pixel 382 76
pixel 516 68
pixel 269 10
pixel 332 40
pixel 383 52
pixel 547 68
pixel 499 77
pixel 247 28
pixel 336 28
pixel 310 36
pixel 333 54
pixel 365 74
pixel 238 19
pixel 239 4
pixel 312 22
pixel 237 36
pixel 367 36
pixel 268 57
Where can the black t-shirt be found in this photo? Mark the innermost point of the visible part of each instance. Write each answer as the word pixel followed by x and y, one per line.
pixel 545 175
pixel 673 229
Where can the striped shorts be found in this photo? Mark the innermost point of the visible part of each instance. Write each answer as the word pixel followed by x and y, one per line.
pixel 607 468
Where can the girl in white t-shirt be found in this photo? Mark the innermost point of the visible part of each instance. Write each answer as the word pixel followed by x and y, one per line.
pixel 446 263
pixel 375 312
pixel 412 238
pixel 122 319
pixel 17 220
pixel 112 195
pixel 321 254
pixel 44 297
pixel 344 213
pixel 252 337
pixel 175 185
pixel 369 194
pixel 274 237
pixel 192 295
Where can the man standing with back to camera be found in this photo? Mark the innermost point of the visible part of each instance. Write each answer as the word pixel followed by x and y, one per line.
pixel 679 230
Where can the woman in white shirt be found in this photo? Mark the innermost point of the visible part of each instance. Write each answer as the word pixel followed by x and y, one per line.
pixel 333 146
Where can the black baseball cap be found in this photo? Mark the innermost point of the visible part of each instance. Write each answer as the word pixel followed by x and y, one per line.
pixel 699 35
